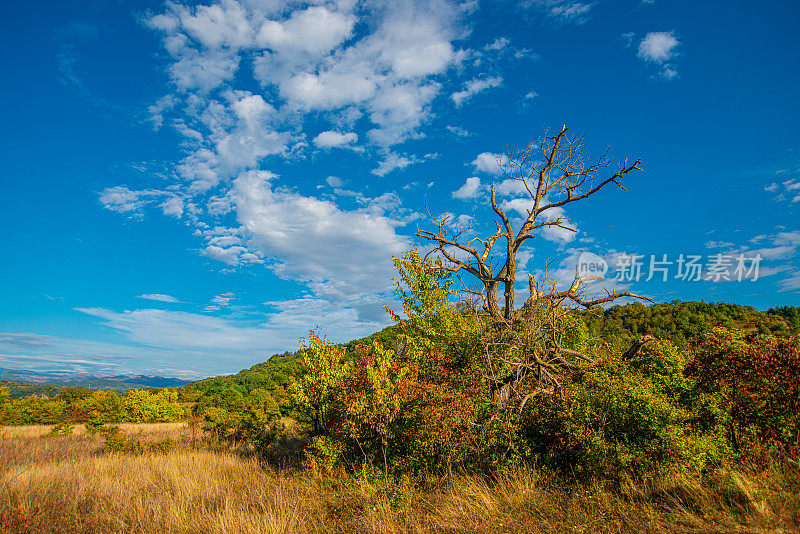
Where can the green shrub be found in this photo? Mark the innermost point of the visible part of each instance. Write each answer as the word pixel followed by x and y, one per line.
pixel 118 442
pixel 615 419
pixel 61 429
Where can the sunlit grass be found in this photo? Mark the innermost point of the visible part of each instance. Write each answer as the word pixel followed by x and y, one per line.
pixel 68 484
pixel 35 431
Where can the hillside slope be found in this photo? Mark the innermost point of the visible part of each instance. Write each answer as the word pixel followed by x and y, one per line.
pixel 680 322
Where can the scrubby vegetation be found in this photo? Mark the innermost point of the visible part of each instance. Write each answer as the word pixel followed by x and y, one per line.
pixel 682 416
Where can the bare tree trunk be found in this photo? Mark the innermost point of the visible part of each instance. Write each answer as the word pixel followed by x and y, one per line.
pixel 510 281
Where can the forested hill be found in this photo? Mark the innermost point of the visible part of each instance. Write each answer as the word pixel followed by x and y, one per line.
pixel 275 373
pixel 679 322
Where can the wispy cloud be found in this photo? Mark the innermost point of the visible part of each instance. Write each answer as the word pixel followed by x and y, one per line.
pixel 563 11
pixel 785 191
pixel 160 297
pixel 24 340
pixel 475 86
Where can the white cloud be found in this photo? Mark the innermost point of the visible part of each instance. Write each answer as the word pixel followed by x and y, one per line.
pixel 160 297
pixel 459 131
pixel 566 11
pixel 334 181
pixel 232 255
pixel 124 200
pixel 469 190
pixel 490 163
pixel 774 249
pixel 669 73
pixel 788 190
pixel 157 110
pixel 173 206
pixel 498 44
pixel 24 340
pixel 473 87
pixel 202 344
pixel 313 31
pixel 363 74
pixel 341 254
pixel 792 185
pixel 331 139
pixel 791 283
pixel 553 233
pixel 314 58
pixel 510 187
pixel 627 38
pixel 182 330
pixel 660 48
pixel 392 161
pixel 383 73
pixel 223 299
pixel 203 71
pixel 218 25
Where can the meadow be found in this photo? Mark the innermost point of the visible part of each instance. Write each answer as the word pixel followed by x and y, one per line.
pixel 65 484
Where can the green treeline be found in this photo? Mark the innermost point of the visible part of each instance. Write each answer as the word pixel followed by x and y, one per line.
pixel 84 405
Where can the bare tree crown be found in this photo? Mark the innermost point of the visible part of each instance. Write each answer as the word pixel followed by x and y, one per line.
pixel 552 171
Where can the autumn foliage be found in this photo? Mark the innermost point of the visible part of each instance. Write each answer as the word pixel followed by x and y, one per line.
pixel 426 399
pixel 757 379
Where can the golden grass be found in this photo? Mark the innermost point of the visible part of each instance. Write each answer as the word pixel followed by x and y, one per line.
pixel 35 431
pixel 78 488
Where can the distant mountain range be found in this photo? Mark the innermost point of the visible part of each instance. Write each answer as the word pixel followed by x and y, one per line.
pixel 95 381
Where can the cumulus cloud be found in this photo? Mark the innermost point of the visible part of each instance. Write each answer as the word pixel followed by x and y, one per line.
pixel 366 77
pixel 384 74
pixel 660 48
pixel 490 163
pixel 556 234
pixel 173 206
pixel 338 253
pixel 469 190
pixel 334 181
pixel 331 139
pixel 312 31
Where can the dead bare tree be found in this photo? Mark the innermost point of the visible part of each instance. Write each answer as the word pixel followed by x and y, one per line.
pixel 562 176
pixel 551 172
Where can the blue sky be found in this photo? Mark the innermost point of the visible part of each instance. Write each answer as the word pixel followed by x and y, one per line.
pixel 187 188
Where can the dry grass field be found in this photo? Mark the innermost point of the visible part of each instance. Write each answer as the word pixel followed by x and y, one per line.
pixel 155 430
pixel 65 484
